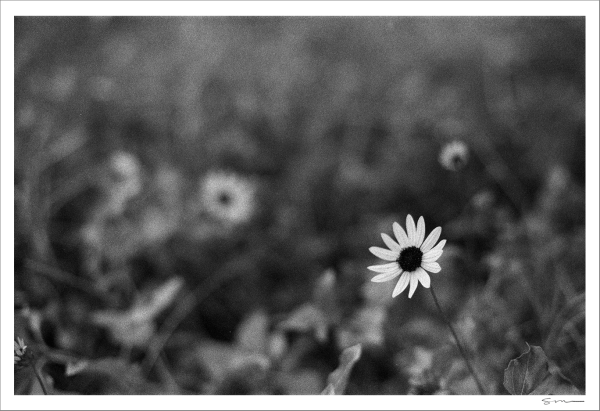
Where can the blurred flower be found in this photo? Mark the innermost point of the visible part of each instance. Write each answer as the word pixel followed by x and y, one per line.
pixel 410 256
pixel 454 155
pixel 228 197
pixel 125 180
pixel 20 348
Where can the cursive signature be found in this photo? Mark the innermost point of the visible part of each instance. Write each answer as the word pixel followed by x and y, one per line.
pixel 548 401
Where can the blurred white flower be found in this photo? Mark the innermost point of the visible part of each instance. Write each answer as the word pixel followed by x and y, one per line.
pixel 454 155
pixel 409 256
pixel 20 348
pixel 228 197
pixel 125 180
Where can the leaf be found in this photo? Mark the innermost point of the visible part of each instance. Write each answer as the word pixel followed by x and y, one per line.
pixel 337 380
pixel 252 334
pixel 135 326
pixel 529 374
pixel 221 359
pixel 307 318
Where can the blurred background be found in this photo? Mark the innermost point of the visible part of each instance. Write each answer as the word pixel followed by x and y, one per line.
pixel 195 199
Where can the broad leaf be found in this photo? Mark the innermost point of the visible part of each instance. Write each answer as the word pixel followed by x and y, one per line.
pixel 338 380
pixel 529 374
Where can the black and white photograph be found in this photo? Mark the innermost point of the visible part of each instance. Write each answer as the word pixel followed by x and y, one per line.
pixel 293 204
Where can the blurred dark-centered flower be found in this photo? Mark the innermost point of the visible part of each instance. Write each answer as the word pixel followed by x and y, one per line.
pixel 454 155
pixel 228 197
pixel 20 348
pixel 409 256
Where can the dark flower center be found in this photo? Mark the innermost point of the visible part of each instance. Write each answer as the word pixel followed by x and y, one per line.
pixel 410 258
pixel 457 161
pixel 224 198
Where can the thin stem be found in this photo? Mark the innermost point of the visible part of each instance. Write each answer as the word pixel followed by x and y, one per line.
pixel 458 344
pixel 39 378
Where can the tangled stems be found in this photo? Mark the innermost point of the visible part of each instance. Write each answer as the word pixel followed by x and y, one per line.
pixel 458 344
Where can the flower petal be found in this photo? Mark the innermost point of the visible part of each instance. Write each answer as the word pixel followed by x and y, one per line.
pixel 383 268
pixel 402 284
pixel 392 245
pixel 439 245
pixel 411 230
pixel 387 276
pixel 413 284
pixel 431 256
pixel 431 267
pixel 384 253
pixel 400 235
pixel 423 277
pixel 420 232
pixel 431 239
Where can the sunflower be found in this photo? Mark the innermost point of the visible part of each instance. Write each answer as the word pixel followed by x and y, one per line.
pixel 228 197
pixel 410 256
pixel 454 155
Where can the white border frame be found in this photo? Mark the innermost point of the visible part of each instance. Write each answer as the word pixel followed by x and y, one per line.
pixel 589 9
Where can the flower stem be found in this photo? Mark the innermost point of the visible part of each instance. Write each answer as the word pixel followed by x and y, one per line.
pixel 39 378
pixel 458 344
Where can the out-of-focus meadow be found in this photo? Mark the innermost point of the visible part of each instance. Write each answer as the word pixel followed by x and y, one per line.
pixel 195 199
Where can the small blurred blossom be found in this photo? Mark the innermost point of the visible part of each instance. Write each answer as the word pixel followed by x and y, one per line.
pixel 228 197
pixel 410 257
pixel 454 155
pixel 125 180
pixel 20 348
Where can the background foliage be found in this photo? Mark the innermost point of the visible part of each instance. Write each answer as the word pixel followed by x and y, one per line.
pixel 124 284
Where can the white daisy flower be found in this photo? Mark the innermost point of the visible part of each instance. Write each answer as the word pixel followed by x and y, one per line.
pixel 20 348
pixel 410 256
pixel 228 197
pixel 454 155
